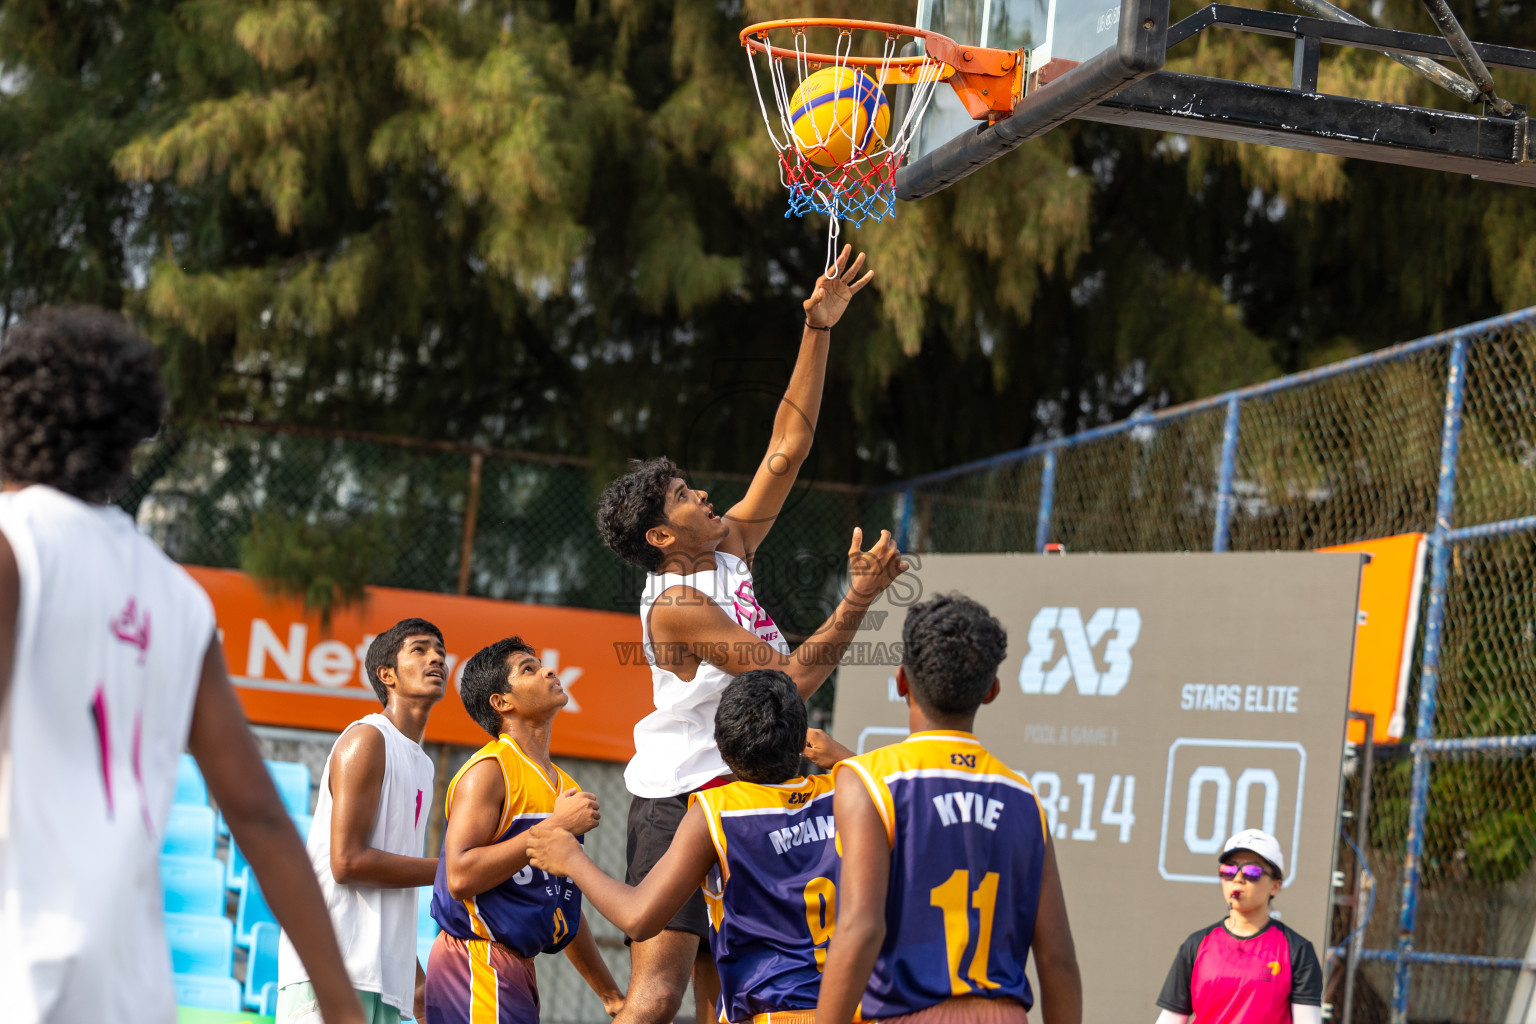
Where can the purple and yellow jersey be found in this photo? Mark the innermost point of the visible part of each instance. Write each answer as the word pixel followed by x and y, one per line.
pixel 533 911
pixel 774 892
pixel 968 841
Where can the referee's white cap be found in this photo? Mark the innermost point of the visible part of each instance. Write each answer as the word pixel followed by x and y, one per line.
pixel 1261 843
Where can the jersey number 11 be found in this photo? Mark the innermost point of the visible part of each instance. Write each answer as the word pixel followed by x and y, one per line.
pixel 951 899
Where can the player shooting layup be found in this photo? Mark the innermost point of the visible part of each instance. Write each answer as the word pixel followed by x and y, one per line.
pixel 109 668
pixel 702 626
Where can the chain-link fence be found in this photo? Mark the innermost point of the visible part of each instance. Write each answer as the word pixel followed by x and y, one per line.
pixel 1436 435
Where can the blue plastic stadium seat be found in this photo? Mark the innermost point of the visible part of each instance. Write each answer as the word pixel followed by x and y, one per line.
pixel 190 787
pixel 253 911
pixel 192 885
pixel 201 946
pixel 261 966
pixel 238 869
pixel 292 780
pixel 197 993
pixel 302 823
pixel 189 831
pixel 425 924
pixel 424 949
pixel 268 1000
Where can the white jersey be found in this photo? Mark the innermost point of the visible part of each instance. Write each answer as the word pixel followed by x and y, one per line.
pixel 110 640
pixel 675 748
pixel 375 928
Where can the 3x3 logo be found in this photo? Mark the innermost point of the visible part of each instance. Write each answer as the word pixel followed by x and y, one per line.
pixel 1044 672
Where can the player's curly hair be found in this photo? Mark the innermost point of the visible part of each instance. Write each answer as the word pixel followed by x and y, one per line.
pixel 760 726
pixel 485 673
pixel 78 390
pixel 952 647
pixel 384 652
pixel 631 505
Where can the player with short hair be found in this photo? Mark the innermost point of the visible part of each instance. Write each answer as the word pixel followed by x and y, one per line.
pixel 1249 968
pixel 368 834
pixel 496 911
pixel 949 878
pixel 701 625
pixel 110 667
pixel 762 847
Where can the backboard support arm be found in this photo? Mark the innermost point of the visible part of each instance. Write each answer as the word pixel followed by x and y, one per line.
pixel 1466 54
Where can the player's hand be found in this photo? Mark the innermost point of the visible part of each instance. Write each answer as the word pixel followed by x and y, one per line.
pixel 829 298
pixel 612 1005
pixel 870 572
pixel 822 750
pixel 576 811
pixel 552 849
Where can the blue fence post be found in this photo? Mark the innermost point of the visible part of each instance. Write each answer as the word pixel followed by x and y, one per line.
pixel 1047 500
pixel 904 520
pixel 1224 475
pixel 1429 679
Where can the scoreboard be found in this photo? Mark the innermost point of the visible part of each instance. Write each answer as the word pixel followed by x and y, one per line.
pixel 1157 703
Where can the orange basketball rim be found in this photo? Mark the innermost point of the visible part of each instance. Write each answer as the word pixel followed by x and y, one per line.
pixel 988 82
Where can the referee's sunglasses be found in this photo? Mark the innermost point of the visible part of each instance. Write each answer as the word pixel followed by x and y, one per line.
pixel 1248 872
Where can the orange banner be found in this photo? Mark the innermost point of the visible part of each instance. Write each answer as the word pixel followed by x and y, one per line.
pixel 289 671
pixel 1384 635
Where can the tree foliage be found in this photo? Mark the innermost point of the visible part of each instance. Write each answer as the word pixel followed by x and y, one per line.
pixel 557 226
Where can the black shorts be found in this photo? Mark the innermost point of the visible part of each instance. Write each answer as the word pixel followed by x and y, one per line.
pixel 652 824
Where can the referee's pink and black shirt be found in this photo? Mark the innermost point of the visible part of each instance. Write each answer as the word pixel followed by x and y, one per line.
pixel 1221 978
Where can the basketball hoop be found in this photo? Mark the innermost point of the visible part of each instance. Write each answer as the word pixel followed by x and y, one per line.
pixel 853 177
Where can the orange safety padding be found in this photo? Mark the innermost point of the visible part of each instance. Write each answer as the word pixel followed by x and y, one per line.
pixel 289 671
pixel 1384 635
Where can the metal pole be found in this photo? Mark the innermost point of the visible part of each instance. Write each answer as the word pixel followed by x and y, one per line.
pixel 1436 73
pixel 471 513
pixel 1224 475
pixel 1047 501
pixel 1467 54
pixel 1362 834
pixel 904 520
pixel 1429 679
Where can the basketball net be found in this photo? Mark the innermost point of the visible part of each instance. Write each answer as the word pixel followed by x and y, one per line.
pixel 864 186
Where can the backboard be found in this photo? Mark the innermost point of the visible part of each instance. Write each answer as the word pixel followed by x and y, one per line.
pixel 1079 51
pixel 1101 60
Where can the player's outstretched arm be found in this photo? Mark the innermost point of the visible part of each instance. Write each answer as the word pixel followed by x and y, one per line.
pixel 794 426
pixel 639 911
pixel 822 750
pixel 225 750
pixel 866 874
pixel 476 862
pixel 583 954
pixel 688 627
pixel 1061 985
pixel 357 779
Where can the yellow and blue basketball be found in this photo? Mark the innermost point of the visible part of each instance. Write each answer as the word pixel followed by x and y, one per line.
pixel 836 113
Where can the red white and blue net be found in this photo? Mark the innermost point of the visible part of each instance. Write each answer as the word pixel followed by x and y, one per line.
pixel 862 187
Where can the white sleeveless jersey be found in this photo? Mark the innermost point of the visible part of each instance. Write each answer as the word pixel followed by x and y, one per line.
pixel 375 928
pixel 675 748
pixel 110 641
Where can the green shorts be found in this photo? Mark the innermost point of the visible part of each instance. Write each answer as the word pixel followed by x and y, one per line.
pixel 296 1004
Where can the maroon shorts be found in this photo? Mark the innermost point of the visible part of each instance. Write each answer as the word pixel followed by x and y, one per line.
pixel 479 982
pixel 965 1010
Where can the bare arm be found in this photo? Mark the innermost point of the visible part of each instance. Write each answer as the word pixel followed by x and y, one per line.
pixel 794 426
pixel 583 954
pixel 860 900
pixel 357 779
pixel 1169 1017
pixel 1061 985
pixel 476 862
pixel 822 750
pixel 225 750
pixel 689 628
pixel 643 910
